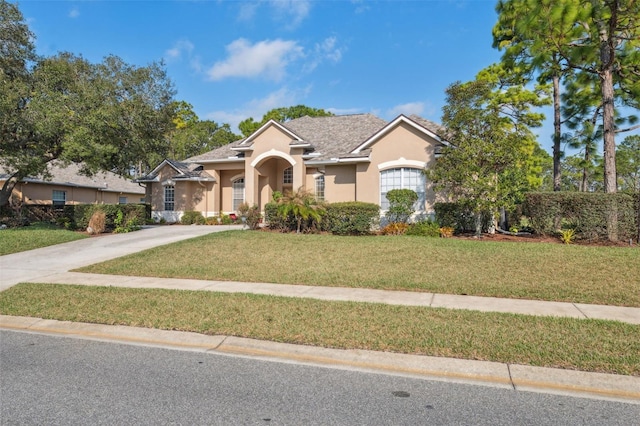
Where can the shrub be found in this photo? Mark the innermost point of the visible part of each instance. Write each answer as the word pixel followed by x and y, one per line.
pixel 80 214
pixel 459 217
pixel 127 223
pixel 251 214
pixel 304 207
pixel 192 218
pixel 587 212
pixel 401 205
pixel 567 235
pixel 395 228
pixel 351 218
pixel 446 232
pixel 97 223
pixel 424 228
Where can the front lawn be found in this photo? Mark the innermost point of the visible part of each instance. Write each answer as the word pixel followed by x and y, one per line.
pixel 543 271
pixel 587 345
pixel 31 237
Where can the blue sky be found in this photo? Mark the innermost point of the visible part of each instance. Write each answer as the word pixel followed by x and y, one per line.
pixel 237 59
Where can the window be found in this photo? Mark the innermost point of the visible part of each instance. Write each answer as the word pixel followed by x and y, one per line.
pixel 238 193
pixel 169 197
pixel 122 200
pixel 287 176
pixel 320 188
pixel 403 178
pixel 59 198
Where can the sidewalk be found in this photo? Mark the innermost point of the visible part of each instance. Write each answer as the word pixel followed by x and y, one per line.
pixel 51 265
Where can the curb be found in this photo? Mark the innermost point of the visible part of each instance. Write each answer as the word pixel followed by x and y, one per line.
pixel 485 373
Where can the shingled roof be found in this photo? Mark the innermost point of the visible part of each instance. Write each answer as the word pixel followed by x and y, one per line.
pixel 328 138
pixel 184 171
pixel 70 176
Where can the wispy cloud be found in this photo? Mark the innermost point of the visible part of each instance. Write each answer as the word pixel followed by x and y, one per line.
pixel 268 59
pixel 327 50
pixel 291 12
pixel 179 48
pixel 406 109
pixel 74 12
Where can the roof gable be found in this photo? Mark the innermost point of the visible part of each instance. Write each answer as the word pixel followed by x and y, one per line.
pixel 265 126
pixel 413 122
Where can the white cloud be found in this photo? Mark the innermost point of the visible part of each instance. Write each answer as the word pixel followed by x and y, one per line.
pixel 407 109
pixel 179 48
pixel 74 12
pixel 327 50
pixel 291 12
pixel 294 11
pixel 267 58
pixel 256 108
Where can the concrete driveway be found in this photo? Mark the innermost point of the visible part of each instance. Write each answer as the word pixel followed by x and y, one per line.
pixel 33 264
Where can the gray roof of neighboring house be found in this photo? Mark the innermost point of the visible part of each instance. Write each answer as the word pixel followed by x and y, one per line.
pixel 70 176
pixel 329 137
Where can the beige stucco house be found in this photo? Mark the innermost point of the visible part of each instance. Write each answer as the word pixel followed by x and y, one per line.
pixel 338 158
pixel 67 186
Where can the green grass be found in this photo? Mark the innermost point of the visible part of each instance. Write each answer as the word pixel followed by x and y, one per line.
pixel 543 271
pixel 31 237
pixel 586 345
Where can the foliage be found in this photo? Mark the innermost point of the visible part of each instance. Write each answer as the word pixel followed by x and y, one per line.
pixel 249 126
pixel 80 214
pixel 192 217
pixel 192 136
pixel 351 218
pixel 446 232
pixel 486 167
pixel 105 116
pixel 401 205
pixel 459 217
pixel 567 235
pixel 251 214
pixel 303 205
pixel 97 223
pixel 628 163
pixel 424 228
pixel 129 223
pixel 587 212
pixel 395 228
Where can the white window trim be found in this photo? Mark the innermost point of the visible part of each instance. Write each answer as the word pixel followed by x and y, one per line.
pixel 422 210
pixel 402 163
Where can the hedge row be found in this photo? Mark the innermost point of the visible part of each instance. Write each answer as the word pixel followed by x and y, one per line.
pixel 585 212
pixel 78 216
pixel 348 218
pixel 459 217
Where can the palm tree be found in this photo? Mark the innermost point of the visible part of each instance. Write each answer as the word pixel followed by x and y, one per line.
pixel 301 204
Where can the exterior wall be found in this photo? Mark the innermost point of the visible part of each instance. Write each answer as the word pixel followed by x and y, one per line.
pixel 403 146
pixel 340 183
pixel 42 193
pixel 264 166
pixel 226 190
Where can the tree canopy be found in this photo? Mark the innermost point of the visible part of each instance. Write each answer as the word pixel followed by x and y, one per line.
pixel 248 126
pixel 104 116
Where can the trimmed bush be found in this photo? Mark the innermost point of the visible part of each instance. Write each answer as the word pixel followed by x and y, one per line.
pixel 459 217
pixel 424 228
pixel 585 212
pixel 401 205
pixel 192 218
pixel 351 218
pixel 80 214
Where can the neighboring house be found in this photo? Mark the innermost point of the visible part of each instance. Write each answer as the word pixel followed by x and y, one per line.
pixel 338 158
pixel 67 186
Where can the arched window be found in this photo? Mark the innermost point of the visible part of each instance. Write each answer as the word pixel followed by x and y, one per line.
pixel 238 193
pixel 403 178
pixel 319 188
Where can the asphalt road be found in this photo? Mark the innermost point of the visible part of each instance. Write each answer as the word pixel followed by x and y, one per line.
pixel 60 380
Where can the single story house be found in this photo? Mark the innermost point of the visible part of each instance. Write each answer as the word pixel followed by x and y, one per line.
pixel 338 158
pixel 67 186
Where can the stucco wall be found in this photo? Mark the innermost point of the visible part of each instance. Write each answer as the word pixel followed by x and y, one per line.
pixel 403 146
pixel 340 183
pixel 42 193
